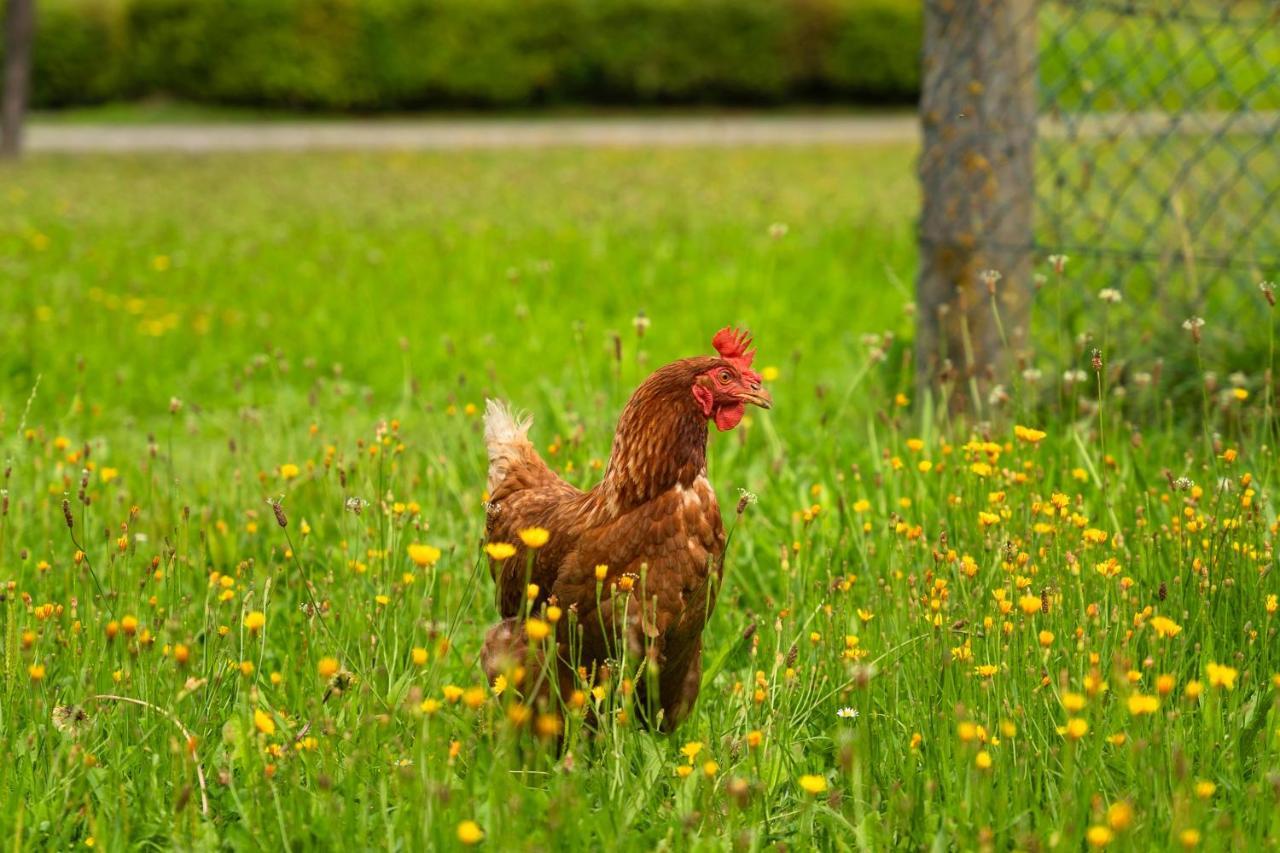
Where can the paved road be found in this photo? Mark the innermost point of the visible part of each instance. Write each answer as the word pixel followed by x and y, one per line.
pixel 722 131
pixel 449 134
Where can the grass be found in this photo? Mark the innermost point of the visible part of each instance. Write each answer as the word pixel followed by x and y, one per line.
pixel 1031 627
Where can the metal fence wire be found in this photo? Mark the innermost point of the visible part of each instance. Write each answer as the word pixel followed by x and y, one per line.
pixel 1139 138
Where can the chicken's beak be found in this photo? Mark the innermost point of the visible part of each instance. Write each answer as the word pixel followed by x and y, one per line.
pixel 758 397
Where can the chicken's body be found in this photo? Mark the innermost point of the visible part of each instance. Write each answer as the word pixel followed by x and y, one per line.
pixel 654 518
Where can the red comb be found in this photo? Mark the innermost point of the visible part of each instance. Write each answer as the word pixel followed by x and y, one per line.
pixel 734 345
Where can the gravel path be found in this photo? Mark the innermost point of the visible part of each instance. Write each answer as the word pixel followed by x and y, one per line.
pixel 447 134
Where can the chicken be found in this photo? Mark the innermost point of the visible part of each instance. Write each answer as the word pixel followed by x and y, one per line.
pixel 634 564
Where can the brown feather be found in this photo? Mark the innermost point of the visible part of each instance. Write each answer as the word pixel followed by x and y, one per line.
pixel 654 517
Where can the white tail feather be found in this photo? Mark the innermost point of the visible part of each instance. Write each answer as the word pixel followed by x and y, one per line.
pixel 505 435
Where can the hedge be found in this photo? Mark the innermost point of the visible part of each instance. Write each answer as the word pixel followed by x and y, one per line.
pixel 405 54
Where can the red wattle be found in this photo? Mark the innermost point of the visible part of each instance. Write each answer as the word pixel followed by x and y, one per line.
pixel 728 415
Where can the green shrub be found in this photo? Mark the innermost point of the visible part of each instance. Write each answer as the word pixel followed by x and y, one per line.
pixel 399 54
pixel 875 51
pixel 678 51
pixel 79 53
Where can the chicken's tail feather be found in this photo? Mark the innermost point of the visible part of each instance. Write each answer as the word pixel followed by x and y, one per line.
pixel 506 436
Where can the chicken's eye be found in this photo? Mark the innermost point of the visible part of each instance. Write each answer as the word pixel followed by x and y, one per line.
pixel 724 376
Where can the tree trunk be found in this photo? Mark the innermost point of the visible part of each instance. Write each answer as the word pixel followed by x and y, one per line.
pixel 978 110
pixel 19 33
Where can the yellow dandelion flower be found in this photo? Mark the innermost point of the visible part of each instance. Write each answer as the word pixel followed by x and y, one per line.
pixel 328 667
pixel 1140 703
pixel 254 620
pixel 534 537
pixel 1029 435
pixel 537 630
pixel 262 722
pixel 691 749
pixel 982 760
pixel 423 556
pixel 289 471
pixel 1098 836
pixel 1222 677
pixel 500 550
pixel 813 784
pixel 1120 816
pixel 470 833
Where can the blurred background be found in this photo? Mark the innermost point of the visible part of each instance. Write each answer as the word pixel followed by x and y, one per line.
pixel 916 153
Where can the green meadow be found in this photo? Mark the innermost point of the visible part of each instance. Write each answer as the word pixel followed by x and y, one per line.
pixel 1048 627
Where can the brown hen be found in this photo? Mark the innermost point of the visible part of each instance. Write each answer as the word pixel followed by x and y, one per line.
pixel 634 564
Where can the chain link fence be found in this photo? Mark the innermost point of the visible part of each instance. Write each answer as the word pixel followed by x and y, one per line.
pixel 1139 138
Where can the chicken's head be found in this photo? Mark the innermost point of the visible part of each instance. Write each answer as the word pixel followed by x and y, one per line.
pixel 724 390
